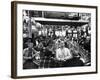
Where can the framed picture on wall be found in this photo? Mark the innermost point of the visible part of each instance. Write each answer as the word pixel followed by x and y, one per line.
pixel 50 39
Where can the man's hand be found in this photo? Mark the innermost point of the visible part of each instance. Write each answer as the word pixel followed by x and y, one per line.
pixel 27 58
pixel 60 59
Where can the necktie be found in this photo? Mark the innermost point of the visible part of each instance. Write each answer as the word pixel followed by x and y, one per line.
pixel 30 52
pixel 63 54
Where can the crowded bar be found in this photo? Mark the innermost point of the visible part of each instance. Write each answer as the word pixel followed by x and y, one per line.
pixel 56 39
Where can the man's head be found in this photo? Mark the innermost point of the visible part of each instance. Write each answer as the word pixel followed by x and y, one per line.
pixel 30 45
pixel 62 44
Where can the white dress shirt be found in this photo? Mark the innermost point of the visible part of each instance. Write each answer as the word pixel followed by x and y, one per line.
pixel 63 54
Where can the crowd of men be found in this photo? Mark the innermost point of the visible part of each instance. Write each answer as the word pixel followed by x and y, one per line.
pixel 52 51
